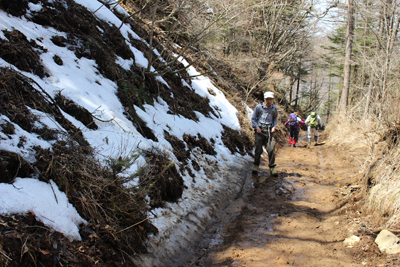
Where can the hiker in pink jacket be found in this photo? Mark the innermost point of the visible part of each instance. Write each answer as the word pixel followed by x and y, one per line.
pixel 294 123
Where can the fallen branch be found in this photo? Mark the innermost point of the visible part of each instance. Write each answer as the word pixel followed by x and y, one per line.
pixel 129 227
pixel 3 254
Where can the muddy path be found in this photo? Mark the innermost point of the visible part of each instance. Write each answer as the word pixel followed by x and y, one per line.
pixel 293 219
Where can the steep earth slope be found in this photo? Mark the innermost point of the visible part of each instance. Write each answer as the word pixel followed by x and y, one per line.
pixel 68 62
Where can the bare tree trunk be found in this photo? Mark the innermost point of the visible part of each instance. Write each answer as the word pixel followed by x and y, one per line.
pixel 366 109
pixel 298 83
pixel 297 90
pixel 347 63
pixel 364 50
pixel 292 81
pixel 328 112
pixel 382 21
pixel 310 94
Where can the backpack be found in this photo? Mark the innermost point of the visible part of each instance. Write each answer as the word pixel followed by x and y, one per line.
pixel 313 120
pixel 293 120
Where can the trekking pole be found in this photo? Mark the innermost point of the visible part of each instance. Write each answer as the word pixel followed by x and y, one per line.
pixel 284 134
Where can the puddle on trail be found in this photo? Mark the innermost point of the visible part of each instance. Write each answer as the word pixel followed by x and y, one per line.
pixel 256 229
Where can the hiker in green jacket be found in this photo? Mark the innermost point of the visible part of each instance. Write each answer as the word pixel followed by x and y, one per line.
pixel 264 120
pixel 313 121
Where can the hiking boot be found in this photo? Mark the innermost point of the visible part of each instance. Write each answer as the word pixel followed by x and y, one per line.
pixel 315 143
pixel 273 172
pixel 255 169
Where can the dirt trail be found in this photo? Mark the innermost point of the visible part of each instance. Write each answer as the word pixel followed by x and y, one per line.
pixel 291 220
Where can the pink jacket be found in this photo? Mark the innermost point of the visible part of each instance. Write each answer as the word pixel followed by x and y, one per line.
pixel 300 123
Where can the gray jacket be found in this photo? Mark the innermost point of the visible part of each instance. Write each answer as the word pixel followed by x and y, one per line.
pixel 264 115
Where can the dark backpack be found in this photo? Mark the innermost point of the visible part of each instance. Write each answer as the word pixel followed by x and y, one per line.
pixel 293 120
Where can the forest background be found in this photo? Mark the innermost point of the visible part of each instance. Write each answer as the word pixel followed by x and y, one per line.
pixel 339 58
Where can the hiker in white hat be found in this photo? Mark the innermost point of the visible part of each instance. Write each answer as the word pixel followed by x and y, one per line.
pixel 264 120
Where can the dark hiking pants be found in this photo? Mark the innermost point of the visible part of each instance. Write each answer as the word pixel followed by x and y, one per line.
pixel 294 132
pixel 269 142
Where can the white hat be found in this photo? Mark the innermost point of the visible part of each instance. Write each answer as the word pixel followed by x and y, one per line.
pixel 268 95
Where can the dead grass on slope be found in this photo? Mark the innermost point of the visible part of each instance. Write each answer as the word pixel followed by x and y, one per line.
pixel 384 180
pixel 375 189
pixel 116 217
pixel 117 224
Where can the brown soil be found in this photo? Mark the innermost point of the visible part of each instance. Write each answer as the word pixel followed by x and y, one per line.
pixel 297 218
